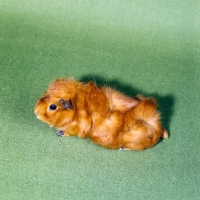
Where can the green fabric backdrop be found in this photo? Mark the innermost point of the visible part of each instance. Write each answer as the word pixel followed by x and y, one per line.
pixel 148 47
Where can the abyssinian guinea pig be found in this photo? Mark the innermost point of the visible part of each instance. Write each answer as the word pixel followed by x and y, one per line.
pixel 106 116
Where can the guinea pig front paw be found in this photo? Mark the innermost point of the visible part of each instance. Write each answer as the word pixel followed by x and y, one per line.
pixel 60 133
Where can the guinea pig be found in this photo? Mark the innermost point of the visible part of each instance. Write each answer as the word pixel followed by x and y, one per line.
pixel 106 116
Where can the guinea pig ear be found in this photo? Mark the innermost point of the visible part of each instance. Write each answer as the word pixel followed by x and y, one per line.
pixel 67 104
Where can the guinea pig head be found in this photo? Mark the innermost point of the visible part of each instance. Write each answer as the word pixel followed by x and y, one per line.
pixel 54 111
pixel 57 106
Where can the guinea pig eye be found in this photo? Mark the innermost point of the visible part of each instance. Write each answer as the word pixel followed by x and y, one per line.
pixel 52 107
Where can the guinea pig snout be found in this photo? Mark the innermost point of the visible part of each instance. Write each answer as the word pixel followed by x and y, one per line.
pixel 37 114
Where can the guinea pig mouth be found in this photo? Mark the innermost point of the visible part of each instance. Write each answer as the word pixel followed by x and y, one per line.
pixel 37 115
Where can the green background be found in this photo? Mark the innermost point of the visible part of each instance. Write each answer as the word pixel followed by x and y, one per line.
pixel 148 47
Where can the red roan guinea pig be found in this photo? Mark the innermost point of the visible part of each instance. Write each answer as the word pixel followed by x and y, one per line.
pixel 108 117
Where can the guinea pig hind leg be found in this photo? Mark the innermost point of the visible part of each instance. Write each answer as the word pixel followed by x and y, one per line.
pixel 60 133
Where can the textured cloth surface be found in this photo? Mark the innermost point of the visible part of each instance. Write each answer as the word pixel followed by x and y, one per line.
pixel 147 47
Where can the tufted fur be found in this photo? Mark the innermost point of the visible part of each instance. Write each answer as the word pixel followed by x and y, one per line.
pixel 108 117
